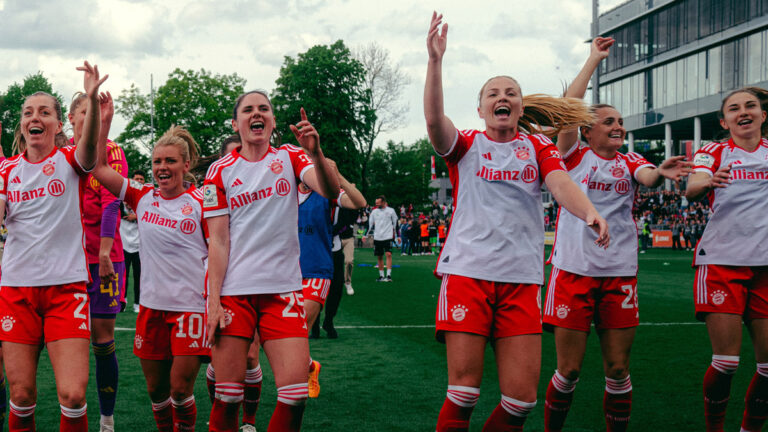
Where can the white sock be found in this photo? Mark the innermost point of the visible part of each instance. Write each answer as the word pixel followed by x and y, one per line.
pixel 389 272
pixel 381 273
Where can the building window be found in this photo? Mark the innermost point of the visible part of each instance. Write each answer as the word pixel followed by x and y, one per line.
pixel 754 58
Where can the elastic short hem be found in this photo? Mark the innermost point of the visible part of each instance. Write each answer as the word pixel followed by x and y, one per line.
pixel 701 315
pixel 550 328
pixel 88 338
pixel 282 336
pixel 24 341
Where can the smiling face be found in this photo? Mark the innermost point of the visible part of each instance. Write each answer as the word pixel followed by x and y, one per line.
pixel 742 115
pixel 168 168
pixel 607 133
pixel 501 103
pixel 40 122
pixel 254 119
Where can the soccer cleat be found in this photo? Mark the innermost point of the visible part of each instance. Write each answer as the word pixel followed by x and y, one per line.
pixel 107 424
pixel 314 379
pixel 350 291
pixel 381 279
pixel 247 428
pixel 388 279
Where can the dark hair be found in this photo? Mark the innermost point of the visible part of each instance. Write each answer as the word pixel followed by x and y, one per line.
pixel 139 172
pixel 19 143
pixel 761 95
pixel 275 139
pixel 227 141
pixel 382 197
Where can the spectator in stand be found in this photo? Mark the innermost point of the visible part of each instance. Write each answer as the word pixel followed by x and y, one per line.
pixel 405 242
pixel 129 232
pixel 414 236
pixel 676 236
pixel 432 230
pixel 424 236
pixel 688 235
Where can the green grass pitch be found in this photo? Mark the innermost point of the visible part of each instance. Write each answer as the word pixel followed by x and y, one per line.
pixel 387 373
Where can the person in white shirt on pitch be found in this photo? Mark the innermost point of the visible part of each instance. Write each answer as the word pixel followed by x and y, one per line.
pixel 383 223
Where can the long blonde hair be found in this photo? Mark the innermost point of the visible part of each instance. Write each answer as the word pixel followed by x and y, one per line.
pixel 548 115
pixel 181 138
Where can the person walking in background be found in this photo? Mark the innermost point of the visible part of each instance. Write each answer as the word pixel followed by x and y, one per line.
pixel 405 242
pixel 345 228
pixel 129 232
pixel 383 224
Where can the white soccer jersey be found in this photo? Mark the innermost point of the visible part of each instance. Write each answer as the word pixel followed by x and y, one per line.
pixel 383 223
pixel 261 201
pixel 45 244
pixel 610 184
pixel 737 231
pixel 172 247
pixel 497 230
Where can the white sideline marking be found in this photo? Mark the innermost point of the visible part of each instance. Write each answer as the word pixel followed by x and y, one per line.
pixel 649 324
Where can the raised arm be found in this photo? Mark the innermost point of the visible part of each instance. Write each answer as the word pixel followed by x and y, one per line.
pixel 86 147
pixel 352 198
pixel 674 168
pixel 568 194
pixel 442 132
pixel 322 178
pixel 599 50
pixel 701 183
pixel 105 174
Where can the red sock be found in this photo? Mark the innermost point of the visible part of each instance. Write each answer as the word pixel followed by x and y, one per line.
pixel 73 419
pixel 184 414
pixel 225 407
pixel 210 380
pixel 617 403
pixel 457 409
pixel 163 415
pixel 253 379
pixel 717 390
pixel 756 402
pixel 509 415
pixel 290 408
pixel 21 419
pixel 558 402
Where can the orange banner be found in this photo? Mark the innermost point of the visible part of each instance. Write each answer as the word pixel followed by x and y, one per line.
pixel 662 238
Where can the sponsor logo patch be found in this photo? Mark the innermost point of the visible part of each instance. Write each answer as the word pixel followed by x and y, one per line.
pixel 704 159
pixel 622 186
pixel 209 196
pixel 56 187
pixel 282 187
pixel 188 226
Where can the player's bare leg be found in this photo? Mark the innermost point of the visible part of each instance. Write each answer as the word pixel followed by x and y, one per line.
pixel 3 393
pixel 253 380
pixel 725 336
pixel 69 359
pixel 518 359
pixel 389 266
pixel 229 360
pixel 157 375
pixel 380 265
pixel 570 347
pixel 616 345
pixel 103 339
pixel 288 358
pixel 21 369
pixel 756 408
pixel 183 374
pixel 465 353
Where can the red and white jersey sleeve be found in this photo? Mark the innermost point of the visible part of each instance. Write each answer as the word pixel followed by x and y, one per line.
pixel 172 247
pixel 737 231
pixel 45 244
pixel 261 200
pixel 497 230
pixel 610 184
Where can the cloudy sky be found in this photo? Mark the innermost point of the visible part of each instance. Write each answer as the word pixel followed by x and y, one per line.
pixel 540 43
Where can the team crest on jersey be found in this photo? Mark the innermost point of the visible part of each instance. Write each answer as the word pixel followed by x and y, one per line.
pixel 209 195
pixel 562 311
pixel 276 166
pixel 617 172
pixel 228 315
pixel 522 153
pixel 704 159
pixel 49 169
pixel 138 341
pixel 459 312
pixel 186 210
pixel 7 323
pixel 718 297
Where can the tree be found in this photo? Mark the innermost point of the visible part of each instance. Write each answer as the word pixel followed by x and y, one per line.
pixel 13 99
pixel 330 84
pixel 401 173
pixel 198 100
pixel 386 83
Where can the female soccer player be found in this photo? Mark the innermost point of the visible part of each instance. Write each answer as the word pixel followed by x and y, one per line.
pixel 106 265
pixel 589 283
pixel 43 295
pixel 731 258
pixel 170 329
pixel 492 272
pixel 254 281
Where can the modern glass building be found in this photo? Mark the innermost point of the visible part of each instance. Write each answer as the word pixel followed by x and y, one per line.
pixel 674 61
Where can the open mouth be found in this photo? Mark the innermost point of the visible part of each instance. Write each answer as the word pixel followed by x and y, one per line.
pixel 615 135
pixel 163 176
pixel 35 131
pixel 745 122
pixel 257 126
pixel 502 111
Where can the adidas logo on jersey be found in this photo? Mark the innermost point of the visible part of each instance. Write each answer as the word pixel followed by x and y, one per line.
pixel 114 303
pixel 16 180
pixel 83 326
pixel 487 156
pixel 194 344
pixel 155 204
pixel 446 259
pixel 237 182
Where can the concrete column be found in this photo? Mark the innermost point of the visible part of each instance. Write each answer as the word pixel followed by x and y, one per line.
pixel 696 134
pixel 631 141
pixel 667 151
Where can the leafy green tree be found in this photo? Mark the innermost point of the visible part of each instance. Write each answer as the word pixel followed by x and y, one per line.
pixel 11 101
pixel 401 173
pixel 330 84
pixel 198 100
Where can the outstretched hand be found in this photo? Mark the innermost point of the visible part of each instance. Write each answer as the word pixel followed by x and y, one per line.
pixel 91 79
pixel 675 168
pixel 107 108
pixel 600 47
pixel 437 40
pixel 306 134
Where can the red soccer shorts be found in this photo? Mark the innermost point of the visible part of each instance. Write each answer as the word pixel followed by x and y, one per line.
pixel 490 309
pixel 574 301
pixel 161 335
pixel 315 289
pixel 731 289
pixel 275 316
pixel 32 315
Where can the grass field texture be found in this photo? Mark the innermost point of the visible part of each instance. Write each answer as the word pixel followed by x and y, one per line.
pixel 386 372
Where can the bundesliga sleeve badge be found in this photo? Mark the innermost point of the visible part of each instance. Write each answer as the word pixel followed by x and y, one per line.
pixel 704 159
pixel 209 195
